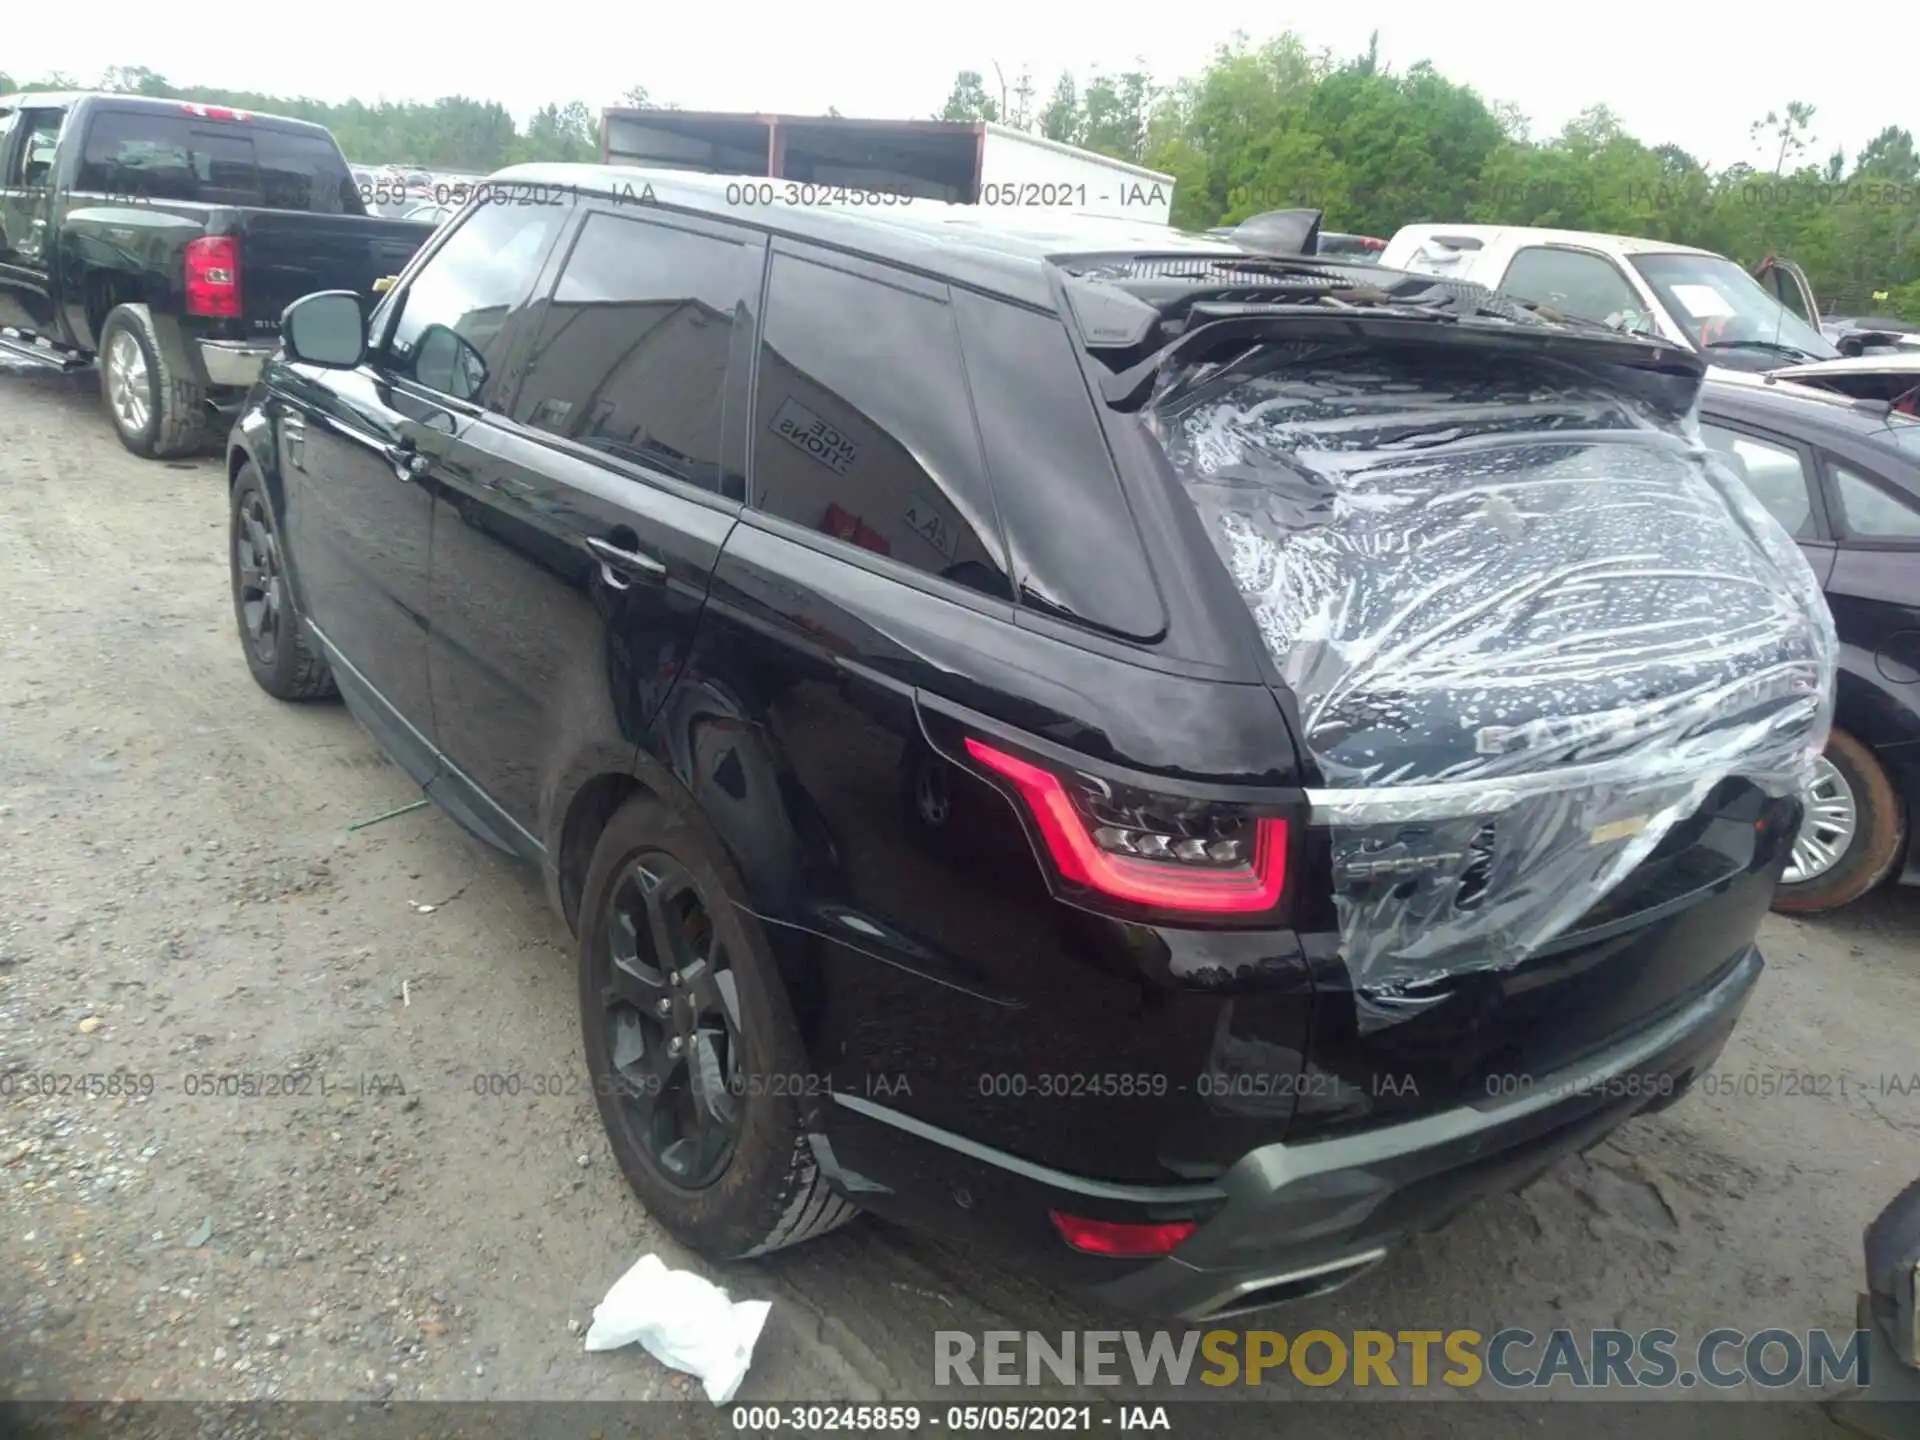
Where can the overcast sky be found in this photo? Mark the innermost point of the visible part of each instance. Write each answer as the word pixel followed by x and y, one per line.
pixel 1693 74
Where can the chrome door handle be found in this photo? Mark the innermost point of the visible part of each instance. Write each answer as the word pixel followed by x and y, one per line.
pixel 620 567
pixel 408 463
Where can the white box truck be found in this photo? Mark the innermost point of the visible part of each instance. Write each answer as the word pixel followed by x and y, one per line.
pixel 962 162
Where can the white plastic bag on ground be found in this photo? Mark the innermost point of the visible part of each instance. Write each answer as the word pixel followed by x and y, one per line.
pixel 683 1321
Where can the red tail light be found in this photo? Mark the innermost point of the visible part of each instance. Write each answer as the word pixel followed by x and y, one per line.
pixel 1118 847
pixel 213 276
pixel 1110 1237
pixel 213 112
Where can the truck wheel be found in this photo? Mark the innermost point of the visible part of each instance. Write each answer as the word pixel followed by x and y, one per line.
pixel 282 659
pixel 1854 833
pixel 691 1046
pixel 156 411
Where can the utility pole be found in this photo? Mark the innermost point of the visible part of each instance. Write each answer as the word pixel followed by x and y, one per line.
pixel 1003 93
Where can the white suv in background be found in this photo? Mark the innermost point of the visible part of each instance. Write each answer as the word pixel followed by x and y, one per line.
pixel 1683 294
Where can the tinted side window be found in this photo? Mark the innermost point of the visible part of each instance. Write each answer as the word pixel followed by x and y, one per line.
pixel 223 163
pixel 864 428
pixel 1572 281
pixel 143 155
pixel 632 354
pixel 448 336
pixel 1872 513
pixel 1775 474
pixel 1070 536
pixel 298 170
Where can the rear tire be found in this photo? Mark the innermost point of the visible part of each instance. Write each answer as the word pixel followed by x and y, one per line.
pixel 283 661
pixel 1867 855
pixel 156 411
pixel 668 902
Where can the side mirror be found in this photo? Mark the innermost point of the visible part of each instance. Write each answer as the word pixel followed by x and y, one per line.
pixel 443 360
pixel 325 329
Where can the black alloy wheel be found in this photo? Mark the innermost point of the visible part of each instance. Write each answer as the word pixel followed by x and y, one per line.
pixel 284 661
pixel 259 588
pixel 670 1008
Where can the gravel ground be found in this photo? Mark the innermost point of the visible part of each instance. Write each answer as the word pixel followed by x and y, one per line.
pixel 180 896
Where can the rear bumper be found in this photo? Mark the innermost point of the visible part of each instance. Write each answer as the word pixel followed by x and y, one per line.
pixel 1301 1219
pixel 1287 1220
pixel 235 363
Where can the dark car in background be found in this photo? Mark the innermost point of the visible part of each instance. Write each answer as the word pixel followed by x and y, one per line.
pixel 855 616
pixel 164 238
pixel 1842 475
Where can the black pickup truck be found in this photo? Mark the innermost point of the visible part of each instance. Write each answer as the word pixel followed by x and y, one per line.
pixel 164 238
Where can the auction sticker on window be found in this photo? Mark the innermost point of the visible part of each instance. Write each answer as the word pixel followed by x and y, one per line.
pixel 931 526
pixel 1702 302
pixel 804 430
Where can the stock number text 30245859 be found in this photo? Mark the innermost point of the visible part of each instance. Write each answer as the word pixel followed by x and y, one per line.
pixel 764 194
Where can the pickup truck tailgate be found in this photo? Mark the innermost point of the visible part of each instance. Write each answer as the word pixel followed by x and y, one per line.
pixel 286 254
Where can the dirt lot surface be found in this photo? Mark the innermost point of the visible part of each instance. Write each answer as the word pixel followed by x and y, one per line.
pixel 180 896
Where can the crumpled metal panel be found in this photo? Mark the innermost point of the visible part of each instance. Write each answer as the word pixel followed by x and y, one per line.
pixel 1530 620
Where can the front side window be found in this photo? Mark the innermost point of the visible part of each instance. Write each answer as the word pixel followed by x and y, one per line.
pixel 1775 473
pixel 865 430
pixel 449 332
pixel 33 166
pixel 1575 282
pixel 634 352
pixel 1874 513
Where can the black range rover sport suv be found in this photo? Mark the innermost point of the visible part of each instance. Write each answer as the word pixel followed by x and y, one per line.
pixel 1054 730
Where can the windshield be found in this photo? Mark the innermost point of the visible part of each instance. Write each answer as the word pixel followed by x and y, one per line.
pixel 1724 309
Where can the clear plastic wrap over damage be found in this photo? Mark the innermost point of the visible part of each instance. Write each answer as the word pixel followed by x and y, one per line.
pixel 1531 624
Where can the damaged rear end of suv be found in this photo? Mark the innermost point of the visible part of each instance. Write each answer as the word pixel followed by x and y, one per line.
pixel 1417 837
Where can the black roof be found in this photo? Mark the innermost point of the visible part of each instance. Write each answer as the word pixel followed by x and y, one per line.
pixel 65 99
pixel 983 247
pixel 1005 251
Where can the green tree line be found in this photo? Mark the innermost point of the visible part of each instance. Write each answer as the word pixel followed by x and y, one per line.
pixel 1276 124
pixel 456 132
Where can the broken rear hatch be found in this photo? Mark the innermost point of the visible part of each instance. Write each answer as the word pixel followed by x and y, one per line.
pixel 1556 674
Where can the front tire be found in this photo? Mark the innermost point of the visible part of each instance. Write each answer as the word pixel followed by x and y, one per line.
pixel 697 1066
pixel 283 661
pixel 1854 833
pixel 156 411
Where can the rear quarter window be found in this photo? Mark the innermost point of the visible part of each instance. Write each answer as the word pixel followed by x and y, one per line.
pixel 1071 538
pixel 863 430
